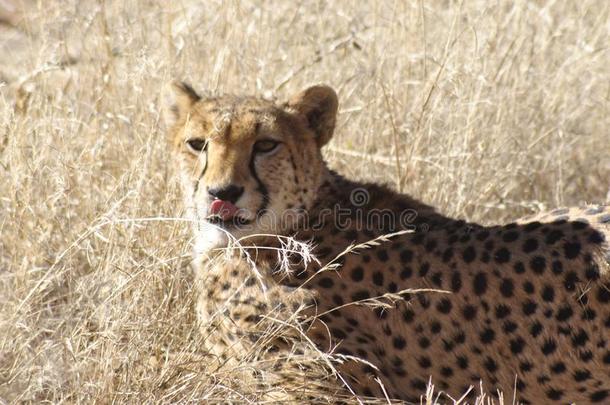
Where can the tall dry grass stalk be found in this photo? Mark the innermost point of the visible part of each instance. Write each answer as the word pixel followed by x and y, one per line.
pixel 488 110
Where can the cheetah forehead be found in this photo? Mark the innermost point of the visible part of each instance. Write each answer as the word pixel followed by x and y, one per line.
pixel 233 118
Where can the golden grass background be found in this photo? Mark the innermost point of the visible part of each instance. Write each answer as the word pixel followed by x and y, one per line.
pixel 487 109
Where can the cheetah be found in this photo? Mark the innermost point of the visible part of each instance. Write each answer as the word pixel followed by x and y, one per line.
pixel 522 308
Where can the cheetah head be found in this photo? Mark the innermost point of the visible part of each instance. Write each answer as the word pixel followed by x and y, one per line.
pixel 248 166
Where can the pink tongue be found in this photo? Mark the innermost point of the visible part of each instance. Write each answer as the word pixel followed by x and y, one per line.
pixel 224 209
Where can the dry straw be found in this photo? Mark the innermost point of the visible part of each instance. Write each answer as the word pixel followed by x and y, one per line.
pixel 488 110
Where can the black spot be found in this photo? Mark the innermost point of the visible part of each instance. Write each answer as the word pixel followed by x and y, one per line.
pixel 581 375
pixel 529 307
pixel 532 226
pixel 502 311
pixel 530 245
pixel 570 280
pixel 423 269
pixel 599 396
pixel 517 344
pixel 502 255
pixel 381 313
pixel 399 342
pixel 456 281
pixel 603 295
pixel 548 293
pixel 444 306
pixel 507 287
pixel 586 355
pixel 525 366
pixel 564 313
pixel 462 362
pixel 406 273
pixel 469 254
pixel 509 326
pixel 357 273
pixel 519 268
pixel 536 329
pixel 491 365
pixel 437 279
pixel 528 287
pixel 580 339
pixel 392 287
pixel 538 264
pixel 465 238
pixel 592 272
pixel 424 362
pixel 488 335
pixel 580 224
pixel 431 245
pixel 446 371
pixel 361 295
pixel 557 267
pixel 484 234
pixel 382 255
pixel 553 236
pixel 326 282
pixel 558 368
pixel 338 300
pixel 470 312
pixel 408 315
pixel 571 249
pixel 378 278
pixel 480 283
pixel 338 333
pixel 554 394
pixel 419 385
pixel 447 255
pixel 435 327
pixel 406 256
pixel 510 236
pixel 424 342
pixel 418 239
pixel 597 238
pixel 549 346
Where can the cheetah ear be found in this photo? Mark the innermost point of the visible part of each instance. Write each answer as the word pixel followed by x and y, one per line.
pixel 177 99
pixel 318 105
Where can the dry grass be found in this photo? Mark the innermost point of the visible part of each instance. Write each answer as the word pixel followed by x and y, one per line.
pixel 489 110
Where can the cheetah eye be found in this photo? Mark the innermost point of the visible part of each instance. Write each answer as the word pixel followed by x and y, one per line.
pixel 265 146
pixel 196 145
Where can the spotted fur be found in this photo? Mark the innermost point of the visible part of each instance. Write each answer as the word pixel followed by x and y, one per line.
pixel 522 307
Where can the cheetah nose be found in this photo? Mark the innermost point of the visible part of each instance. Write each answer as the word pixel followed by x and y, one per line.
pixel 229 193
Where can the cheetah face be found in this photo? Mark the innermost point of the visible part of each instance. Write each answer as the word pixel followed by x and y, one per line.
pixel 248 166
